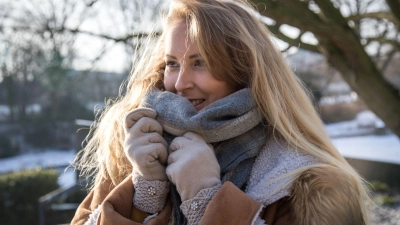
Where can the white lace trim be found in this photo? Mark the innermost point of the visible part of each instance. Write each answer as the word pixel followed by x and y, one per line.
pixel 149 218
pixel 194 208
pixel 150 196
pixel 257 219
pixel 94 216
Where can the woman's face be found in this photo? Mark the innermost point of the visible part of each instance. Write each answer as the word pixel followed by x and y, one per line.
pixel 186 73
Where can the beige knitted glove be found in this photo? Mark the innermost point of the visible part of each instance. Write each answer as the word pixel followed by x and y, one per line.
pixel 192 165
pixel 144 145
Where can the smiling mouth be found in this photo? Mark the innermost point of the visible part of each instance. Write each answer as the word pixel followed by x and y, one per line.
pixel 197 101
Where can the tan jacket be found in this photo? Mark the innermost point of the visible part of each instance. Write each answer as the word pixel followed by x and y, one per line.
pixel 320 196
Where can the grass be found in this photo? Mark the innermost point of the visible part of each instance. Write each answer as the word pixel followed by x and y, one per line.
pixel 383 194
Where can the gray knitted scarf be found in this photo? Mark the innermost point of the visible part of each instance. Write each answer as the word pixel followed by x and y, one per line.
pixel 233 125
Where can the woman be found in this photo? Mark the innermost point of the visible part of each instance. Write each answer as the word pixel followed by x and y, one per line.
pixel 214 128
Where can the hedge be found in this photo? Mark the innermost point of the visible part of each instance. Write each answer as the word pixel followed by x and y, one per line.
pixel 7 148
pixel 19 194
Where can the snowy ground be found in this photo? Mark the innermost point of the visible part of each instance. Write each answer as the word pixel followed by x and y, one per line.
pixel 382 148
pixel 358 139
pixel 48 158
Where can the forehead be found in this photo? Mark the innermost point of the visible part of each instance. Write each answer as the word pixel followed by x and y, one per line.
pixel 176 26
pixel 177 37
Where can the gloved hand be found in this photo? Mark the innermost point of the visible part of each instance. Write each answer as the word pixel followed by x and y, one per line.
pixel 192 165
pixel 144 145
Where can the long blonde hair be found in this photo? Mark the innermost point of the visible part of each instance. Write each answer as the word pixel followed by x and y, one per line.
pixel 237 48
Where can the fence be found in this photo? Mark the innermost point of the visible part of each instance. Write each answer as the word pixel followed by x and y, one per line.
pixel 48 201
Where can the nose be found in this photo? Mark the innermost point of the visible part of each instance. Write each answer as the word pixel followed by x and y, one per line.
pixel 185 80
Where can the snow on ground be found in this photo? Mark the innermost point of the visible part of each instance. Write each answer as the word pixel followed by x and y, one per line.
pixel 47 158
pixel 366 138
pixel 382 148
pixel 67 177
pixel 365 123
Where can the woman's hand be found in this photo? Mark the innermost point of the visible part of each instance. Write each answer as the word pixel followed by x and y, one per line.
pixel 144 145
pixel 192 165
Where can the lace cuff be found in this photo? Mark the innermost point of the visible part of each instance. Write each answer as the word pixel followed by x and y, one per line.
pixel 194 208
pixel 94 216
pixel 150 196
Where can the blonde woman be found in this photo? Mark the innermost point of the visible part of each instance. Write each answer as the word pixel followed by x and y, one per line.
pixel 214 128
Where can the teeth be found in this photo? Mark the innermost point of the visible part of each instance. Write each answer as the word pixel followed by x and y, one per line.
pixel 196 102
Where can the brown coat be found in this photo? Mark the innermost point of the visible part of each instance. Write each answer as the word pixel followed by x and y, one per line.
pixel 320 196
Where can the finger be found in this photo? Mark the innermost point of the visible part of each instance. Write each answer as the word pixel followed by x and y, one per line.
pixel 192 136
pixel 133 116
pixel 175 144
pixel 170 172
pixel 157 138
pixel 161 155
pixel 148 125
pixel 147 153
pixel 172 157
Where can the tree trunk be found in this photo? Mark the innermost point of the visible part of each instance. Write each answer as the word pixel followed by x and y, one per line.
pixel 9 81
pixel 343 50
pixel 23 95
pixel 366 80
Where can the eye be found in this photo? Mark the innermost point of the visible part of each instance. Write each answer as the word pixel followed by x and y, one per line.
pixel 171 64
pixel 200 63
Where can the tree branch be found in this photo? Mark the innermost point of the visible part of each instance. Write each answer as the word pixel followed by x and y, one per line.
pixel 383 40
pixel 375 15
pixel 389 58
pixel 294 13
pixel 394 6
pixel 297 14
pixel 91 3
pixel 116 39
pixel 292 42
pixel 331 13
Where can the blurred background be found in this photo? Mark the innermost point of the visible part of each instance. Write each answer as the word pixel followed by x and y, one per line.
pixel 61 61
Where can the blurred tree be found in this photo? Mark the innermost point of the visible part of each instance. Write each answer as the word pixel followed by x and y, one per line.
pixel 43 40
pixel 47 47
pixel 357 37
pixel 39 42
pixel 28 53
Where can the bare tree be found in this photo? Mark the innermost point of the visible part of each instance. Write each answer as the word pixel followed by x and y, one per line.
pixel 42 40
pixel 344 35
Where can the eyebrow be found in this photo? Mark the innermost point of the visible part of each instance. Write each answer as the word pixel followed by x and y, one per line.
pixel 171 56
pixel 196 55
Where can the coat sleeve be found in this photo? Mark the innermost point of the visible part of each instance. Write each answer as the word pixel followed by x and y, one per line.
pixel 83 212
pixel 117 207
pixel 230 205
pixel 91 202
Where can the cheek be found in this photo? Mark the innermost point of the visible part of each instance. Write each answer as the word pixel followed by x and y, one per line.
pixel 169 82
pixel 221 90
